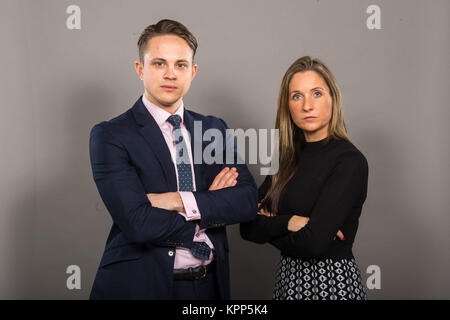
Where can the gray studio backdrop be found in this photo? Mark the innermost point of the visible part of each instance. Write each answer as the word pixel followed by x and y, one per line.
pixel 56 83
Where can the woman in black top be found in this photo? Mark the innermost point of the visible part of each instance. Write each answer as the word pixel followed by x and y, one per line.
pixel 310 208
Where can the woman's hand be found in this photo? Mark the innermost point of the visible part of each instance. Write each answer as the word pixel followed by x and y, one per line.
pixel 226 178
pixel 264 212
pixel 340 235
pixel 298 222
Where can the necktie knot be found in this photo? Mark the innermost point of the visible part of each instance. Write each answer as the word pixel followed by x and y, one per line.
pixel 174 120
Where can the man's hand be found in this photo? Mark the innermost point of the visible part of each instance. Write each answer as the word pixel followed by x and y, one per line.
pixel 226 178
pixel 298 222
pixel 172 200
pixel 168 200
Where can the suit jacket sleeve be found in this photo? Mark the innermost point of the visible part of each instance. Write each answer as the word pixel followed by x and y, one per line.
pixel 229 205
pixel 125 198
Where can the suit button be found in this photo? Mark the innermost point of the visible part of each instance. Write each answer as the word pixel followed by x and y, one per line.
pixel 170 253
pixel 194 211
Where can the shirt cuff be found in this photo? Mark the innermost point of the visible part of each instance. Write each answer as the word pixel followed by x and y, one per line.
pixel 190 206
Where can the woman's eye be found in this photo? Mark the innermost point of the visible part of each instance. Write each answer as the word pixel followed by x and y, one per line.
pixel 317 94
pixel 296 97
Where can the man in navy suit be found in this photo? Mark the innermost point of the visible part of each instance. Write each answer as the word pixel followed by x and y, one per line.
pixel 169 210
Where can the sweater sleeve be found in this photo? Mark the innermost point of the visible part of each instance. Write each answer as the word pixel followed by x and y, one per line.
pixel 345 188
pixel 262 190
pixel 263 229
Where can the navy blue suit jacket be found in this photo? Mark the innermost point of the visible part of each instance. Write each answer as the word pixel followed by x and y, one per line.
pixel 130 158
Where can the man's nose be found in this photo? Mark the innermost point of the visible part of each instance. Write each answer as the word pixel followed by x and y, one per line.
pixel 170 74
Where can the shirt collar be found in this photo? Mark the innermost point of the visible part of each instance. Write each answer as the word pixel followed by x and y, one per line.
pixel 160 115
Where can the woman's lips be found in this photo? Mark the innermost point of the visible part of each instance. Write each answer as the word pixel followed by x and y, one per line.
pixel 309 118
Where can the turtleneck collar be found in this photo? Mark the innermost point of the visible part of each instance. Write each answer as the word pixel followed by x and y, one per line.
pixel 314 146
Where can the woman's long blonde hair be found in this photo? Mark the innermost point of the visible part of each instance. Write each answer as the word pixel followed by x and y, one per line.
pixel 290 136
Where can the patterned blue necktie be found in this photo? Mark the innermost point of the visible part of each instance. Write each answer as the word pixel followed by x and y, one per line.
pixel 182 156
pixel 199 250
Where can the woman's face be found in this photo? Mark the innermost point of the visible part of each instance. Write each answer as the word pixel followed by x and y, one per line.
pixel 310 104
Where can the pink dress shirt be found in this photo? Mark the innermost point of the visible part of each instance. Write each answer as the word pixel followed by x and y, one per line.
pixel 183 257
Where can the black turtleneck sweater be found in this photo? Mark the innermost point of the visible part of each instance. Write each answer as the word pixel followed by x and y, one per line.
pixel 329 187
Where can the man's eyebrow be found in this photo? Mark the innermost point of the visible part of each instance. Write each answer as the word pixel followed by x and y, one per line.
pixel 157 58
pixel 164 60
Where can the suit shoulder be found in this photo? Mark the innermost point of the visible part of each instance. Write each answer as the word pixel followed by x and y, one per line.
pixel 115 124
pixel 208 120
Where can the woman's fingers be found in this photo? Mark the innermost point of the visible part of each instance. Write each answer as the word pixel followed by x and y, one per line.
pixel 340 235
pixel 264 213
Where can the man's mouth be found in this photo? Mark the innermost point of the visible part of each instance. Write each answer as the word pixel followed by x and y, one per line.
pixel 169 88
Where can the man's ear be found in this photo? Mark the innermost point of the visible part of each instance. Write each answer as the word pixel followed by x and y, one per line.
pixel 138 66
pixel 194 71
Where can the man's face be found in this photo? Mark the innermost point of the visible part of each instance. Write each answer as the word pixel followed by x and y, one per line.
pixel 167 71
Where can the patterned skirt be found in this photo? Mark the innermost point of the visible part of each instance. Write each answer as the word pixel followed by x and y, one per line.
pixel 313 279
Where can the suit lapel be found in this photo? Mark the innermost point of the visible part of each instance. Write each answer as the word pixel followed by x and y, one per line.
pixel 153 135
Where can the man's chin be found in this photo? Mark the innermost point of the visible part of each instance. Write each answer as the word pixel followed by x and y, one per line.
pixel 168 104
pixel 165 102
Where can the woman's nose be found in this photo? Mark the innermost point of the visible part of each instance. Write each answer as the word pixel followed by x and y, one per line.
pixel 308 105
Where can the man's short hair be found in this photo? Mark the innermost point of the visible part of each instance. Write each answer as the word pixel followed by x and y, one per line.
pixel 164 27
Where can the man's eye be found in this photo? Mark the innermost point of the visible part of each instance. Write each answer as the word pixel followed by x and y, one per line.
pixel 158 64
pixel 182 65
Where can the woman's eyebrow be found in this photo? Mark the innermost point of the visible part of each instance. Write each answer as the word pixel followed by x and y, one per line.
pixel 318 88
pixel 315 88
